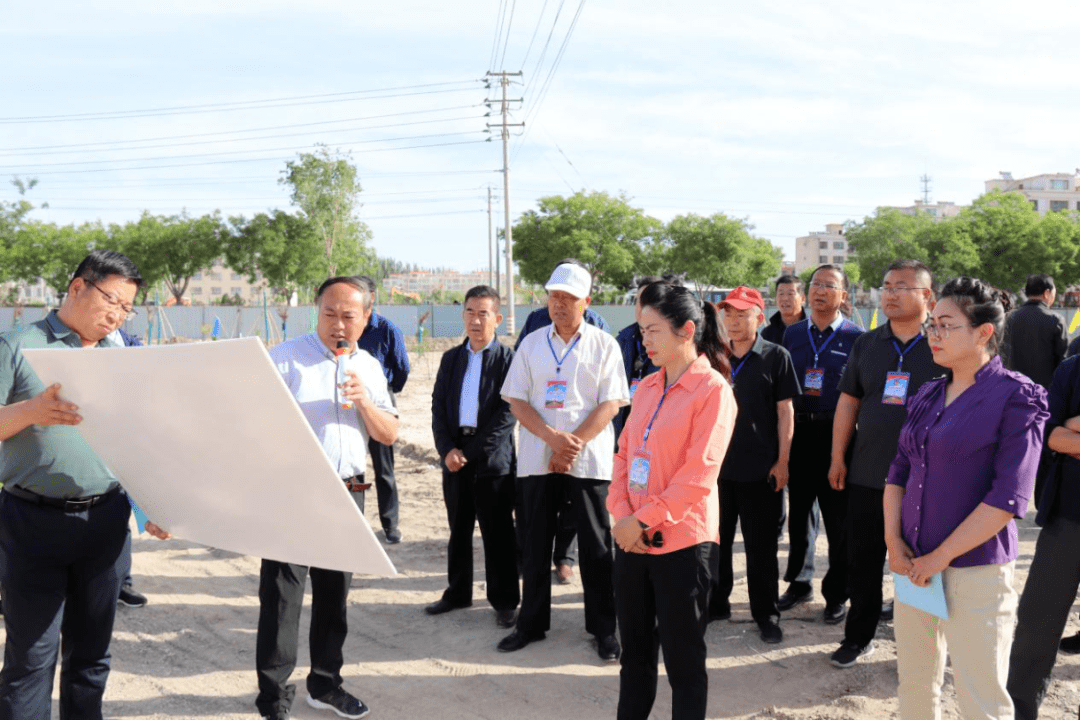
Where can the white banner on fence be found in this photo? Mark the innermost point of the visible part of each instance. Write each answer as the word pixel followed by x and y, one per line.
pixel 211 444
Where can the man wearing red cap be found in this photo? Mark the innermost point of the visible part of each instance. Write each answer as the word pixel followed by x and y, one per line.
pixel 764 381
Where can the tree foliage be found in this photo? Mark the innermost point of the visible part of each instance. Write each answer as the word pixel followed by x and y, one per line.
pixel 606 233
pixel 326 187
pixel 721 251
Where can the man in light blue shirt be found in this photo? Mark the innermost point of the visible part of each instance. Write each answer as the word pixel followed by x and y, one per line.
pixel 343 417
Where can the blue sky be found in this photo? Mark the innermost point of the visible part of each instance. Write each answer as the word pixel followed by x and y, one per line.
pixel 791 114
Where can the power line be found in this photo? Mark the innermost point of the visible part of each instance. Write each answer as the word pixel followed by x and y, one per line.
pixel 506 40
pixel 543 51
pixel 88 149
pixel 235 105
pixel 539 21
pixel 273 159
pixel 241 152
pixel 498 33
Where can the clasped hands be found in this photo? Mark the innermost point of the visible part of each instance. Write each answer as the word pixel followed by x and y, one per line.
pixel 919 570
pixel 565 448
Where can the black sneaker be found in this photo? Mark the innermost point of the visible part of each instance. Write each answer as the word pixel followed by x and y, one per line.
pixel 887 611
pixel 771 632
pixel 1070 645
pixel 849 653
pixel 341 702
pixel 131 598
pixel 391 536
pixel 719 612
pixel 834 613
pixel 607 647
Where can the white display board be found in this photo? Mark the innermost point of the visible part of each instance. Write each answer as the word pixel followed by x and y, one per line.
pixel 211 444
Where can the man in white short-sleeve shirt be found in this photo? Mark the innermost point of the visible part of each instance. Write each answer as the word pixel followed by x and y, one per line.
pixel 343 415
pixel 564 386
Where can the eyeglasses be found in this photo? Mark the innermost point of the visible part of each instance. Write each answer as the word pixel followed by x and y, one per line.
pixel 898 290
pixel 941 331
pixel 824 286
pixel 115 304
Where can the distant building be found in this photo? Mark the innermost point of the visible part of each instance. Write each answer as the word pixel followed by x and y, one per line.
pixel 1051 192
pixel 208 286
pixel 426 281
pixel 35 293
pixel 819 248
pixel 938 210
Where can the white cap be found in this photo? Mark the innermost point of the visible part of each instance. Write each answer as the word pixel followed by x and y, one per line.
pixel 572 279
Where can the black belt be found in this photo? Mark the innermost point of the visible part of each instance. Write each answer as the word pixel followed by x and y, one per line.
pixel 69 506
pixel 802 417
pixel 466 431
pixel 356 484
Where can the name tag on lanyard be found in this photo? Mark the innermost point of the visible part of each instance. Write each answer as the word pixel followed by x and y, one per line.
pixel 639 472
pixel 555 395
pixel 896 388
pixel 814 382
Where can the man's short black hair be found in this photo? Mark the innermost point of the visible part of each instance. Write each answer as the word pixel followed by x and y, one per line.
pixel 355 281
pixel 1037 284
pixel 483 291
pixel 789 280
pixel 100 264
pixel 917 266
pixel 839 269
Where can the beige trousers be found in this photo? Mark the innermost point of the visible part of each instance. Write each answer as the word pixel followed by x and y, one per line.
pixel 978 635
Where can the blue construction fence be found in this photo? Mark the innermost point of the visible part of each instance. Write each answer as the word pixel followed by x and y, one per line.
pixel 154 324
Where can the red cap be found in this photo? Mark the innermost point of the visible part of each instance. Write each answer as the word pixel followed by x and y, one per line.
pixel 742 298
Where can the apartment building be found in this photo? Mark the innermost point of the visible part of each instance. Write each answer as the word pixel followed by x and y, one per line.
pixel 820 247
pixel 1050 192
pixel 209 285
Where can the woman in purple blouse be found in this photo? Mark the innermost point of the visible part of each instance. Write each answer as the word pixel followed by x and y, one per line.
pixel 964 470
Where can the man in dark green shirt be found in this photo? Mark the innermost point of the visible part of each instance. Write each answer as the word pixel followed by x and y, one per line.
pixel 63 516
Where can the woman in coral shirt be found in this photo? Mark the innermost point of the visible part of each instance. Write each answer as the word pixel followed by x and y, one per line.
pixel 664 498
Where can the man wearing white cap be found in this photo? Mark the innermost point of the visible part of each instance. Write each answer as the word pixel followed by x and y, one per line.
pixel 564 386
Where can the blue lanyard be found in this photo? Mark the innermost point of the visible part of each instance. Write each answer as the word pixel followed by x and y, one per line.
pixel 560 360
pixel 648 428
pixel 815 348
pixel 735 370
pixel 904 352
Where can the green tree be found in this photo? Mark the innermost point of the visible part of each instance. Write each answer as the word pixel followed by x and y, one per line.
pixel 1006 230
pixel 172 249
pixel 326 187
pixel 719 250
pixel 891 235
pixel 51 252
pixel 281 247
pixel 605 233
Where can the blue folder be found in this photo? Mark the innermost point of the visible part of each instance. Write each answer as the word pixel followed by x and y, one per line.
pixel 929 599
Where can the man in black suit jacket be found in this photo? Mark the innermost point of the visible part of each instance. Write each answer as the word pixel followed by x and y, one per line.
pixel 1035 337
pixel 473 429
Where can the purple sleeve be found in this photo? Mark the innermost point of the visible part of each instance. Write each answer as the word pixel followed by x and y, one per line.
pixel 1020 442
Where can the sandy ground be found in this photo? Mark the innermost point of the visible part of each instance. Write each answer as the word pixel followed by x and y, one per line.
pixel 190 652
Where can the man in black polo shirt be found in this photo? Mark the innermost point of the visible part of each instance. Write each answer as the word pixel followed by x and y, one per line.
pixel 886 368
pixel 789 308
pixel 751 479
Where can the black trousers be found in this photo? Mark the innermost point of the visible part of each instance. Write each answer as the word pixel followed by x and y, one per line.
pixel 565 550
pixel 61 579
pixel 382 464
pixel 754 506
pixel 489 501
pixel 811 453
pixel 866 557
pixel 281 597
pixel 1048 595
pixel 662 602
pixel 541 500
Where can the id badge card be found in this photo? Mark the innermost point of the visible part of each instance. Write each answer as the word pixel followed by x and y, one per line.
pixel 814 381
pixel 555 397
pixel 633 388
pixel 896 387
pixel 639 473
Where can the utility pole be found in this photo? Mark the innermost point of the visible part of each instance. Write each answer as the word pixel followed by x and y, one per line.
pixel 925 180
pixel 491 245
pixel 504 81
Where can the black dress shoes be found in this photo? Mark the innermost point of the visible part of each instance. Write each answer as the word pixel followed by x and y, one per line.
pixel 442 605
pixel 517 640
pixel 506 618
pixel 835 613
pixel 607 647
pixel 794 595
pixel 771 632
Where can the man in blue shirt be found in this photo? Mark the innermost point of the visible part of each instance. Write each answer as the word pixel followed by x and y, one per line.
pixel 385 342
pixel 819 348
